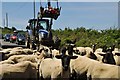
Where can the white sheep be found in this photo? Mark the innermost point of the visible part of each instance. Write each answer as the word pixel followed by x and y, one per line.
pixel 56 68
pixel 116 52
pixel 24 70
pixel 81 50
pixel 94 68
pixel 7 62
pixel 6 51
pixel 50 68
pixel 99 50
pixel 86 51
pixel 117 60
pixel 21 58
pixel 55 52
pixel 90 53
pixel 37 56
pixel 99 55
pixel 1 49
pixel 19 51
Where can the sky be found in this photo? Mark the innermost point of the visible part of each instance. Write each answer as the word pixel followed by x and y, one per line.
pixel 93 15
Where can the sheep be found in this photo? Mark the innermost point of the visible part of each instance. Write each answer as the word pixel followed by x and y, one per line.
pixel 99 50
pixel 55 52
pixel 99 55
pixel 1 49
pixel 3 53
pixel 43 52
pixel 90 53
pixel 94 69
pixel 56 67
pixel 50 68
pixel 38 55
pixel 15 52
pixel 70 47
pixel 17 48
pixel 116 52
pixel 20 51
pixel 7 62
pixel 81 50
pixel 47 51
pixel 86 51
pixel 6 53
pixel 109 58
pixel 28 51
pixel 116 55
pixel 20 58
pixel 6 50
pixel 53 68
pixel 106 57
pixel 117 60
pixel 24 70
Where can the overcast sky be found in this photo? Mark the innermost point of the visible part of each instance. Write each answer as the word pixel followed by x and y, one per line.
pixel 95 15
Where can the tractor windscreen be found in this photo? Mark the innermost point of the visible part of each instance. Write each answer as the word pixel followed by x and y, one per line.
pixel 43 24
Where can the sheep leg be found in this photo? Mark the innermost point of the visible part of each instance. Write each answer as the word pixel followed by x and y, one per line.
pixel 73 75
pixel 89 78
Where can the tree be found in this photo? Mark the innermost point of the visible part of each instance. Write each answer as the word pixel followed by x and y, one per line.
pixel 13 28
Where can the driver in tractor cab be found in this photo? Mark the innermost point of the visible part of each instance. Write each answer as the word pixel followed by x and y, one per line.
pixel 40 27
pixel 43 32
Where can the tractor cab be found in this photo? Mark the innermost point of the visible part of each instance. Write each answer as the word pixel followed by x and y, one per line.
pixel 38 23
pixel 38 32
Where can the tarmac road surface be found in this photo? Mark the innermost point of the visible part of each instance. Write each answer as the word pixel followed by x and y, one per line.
pixel 5 44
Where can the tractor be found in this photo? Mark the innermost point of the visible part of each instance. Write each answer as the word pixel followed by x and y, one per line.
pixel 39 30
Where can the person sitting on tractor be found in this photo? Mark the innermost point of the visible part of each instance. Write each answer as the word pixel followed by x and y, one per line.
pixel 50 12
pixel 39 26
pixel 42 10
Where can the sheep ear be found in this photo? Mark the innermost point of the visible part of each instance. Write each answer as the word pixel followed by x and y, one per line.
pixel 41 50
pixel 73 57
pixel 118 54
pixel 58 56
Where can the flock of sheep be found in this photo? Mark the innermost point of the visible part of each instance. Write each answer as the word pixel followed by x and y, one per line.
pixel 84 64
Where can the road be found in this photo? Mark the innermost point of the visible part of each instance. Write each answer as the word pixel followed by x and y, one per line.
pixel 5 44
